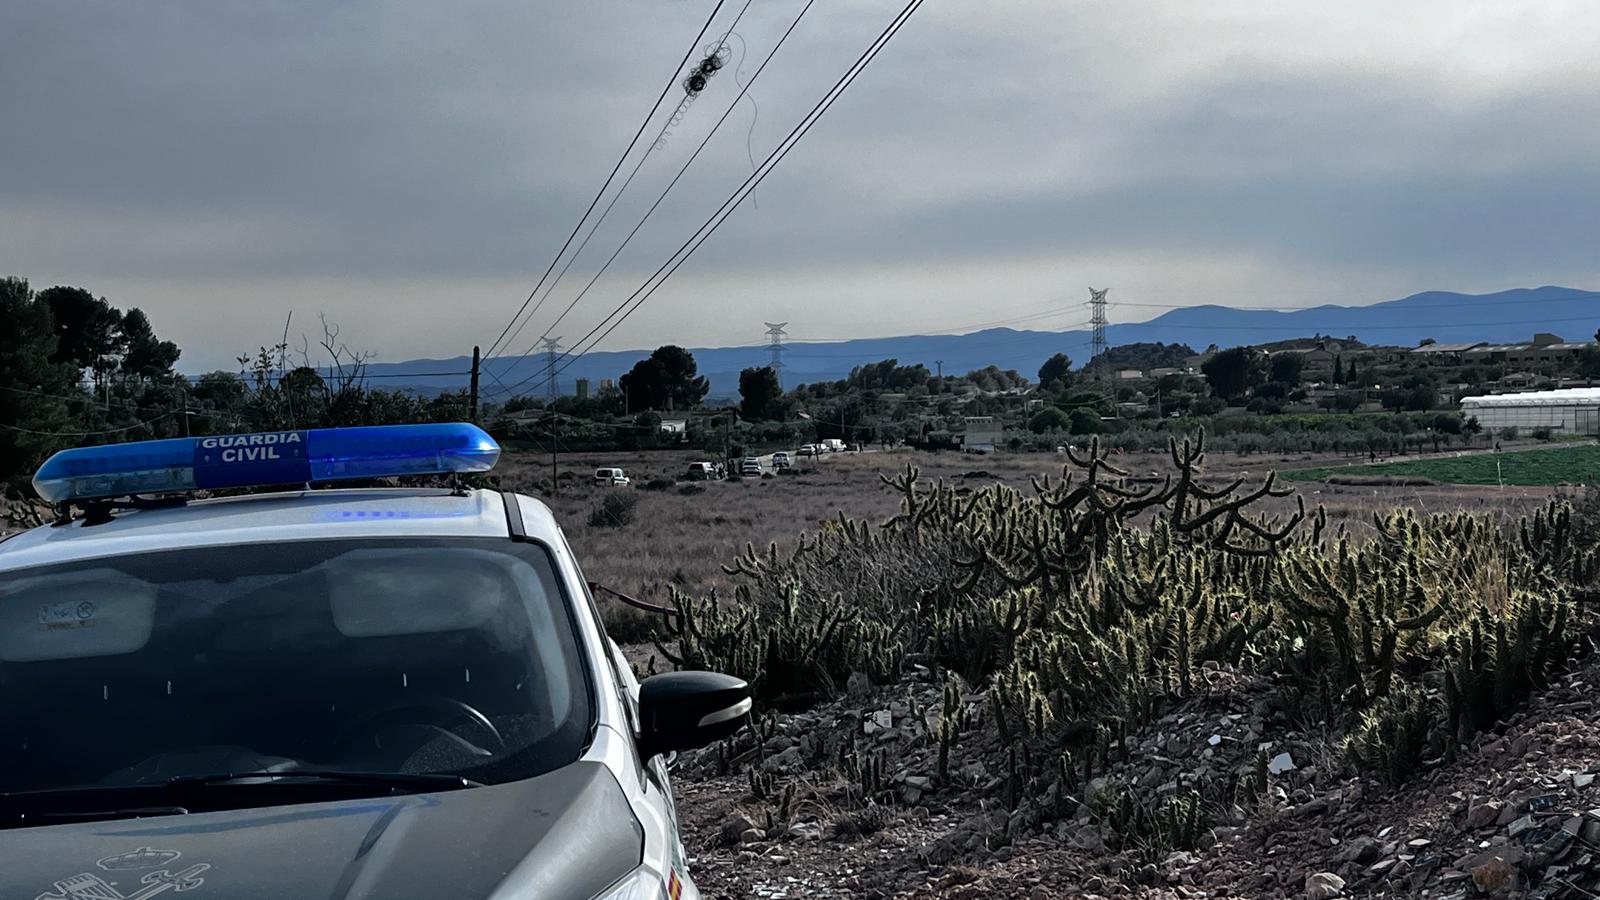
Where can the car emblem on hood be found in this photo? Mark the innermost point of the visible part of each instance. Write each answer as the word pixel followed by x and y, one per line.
pixel 142 858
pixel 89 886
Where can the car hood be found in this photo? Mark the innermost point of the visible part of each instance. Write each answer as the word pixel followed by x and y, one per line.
pixel 568 833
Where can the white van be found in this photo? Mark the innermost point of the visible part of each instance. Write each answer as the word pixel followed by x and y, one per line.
pixel 610 476
pixel 704 471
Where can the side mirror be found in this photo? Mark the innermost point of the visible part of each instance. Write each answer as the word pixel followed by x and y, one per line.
pixel 685 710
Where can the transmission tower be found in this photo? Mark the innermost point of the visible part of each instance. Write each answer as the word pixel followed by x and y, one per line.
pixel 1097 318
pixel 775 347
pixel 551 345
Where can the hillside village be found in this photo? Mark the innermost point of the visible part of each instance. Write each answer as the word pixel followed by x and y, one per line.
pixel 1357 397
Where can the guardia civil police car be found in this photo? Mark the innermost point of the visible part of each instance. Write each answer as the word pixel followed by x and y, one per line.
pixel 333 693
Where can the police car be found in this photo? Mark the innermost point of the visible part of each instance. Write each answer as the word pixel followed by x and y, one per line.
pixel 339 693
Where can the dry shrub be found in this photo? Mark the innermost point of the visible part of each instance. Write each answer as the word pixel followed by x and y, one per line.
pixel 614 510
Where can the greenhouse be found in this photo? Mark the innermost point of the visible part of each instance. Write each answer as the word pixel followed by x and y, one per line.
pixel 1570 410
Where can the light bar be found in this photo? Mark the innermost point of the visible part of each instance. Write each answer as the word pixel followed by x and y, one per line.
pixel 268 458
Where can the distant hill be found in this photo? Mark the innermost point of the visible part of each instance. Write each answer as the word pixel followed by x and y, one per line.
pixel 1447 317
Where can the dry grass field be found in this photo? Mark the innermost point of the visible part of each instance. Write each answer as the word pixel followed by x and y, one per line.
pixel 682 540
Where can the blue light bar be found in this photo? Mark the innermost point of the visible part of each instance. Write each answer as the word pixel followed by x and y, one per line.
pixel 267 458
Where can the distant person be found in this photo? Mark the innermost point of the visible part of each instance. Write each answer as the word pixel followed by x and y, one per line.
pixel 1497 446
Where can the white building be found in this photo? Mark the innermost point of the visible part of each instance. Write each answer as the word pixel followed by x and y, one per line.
pixel 983 434
pixel 1570 410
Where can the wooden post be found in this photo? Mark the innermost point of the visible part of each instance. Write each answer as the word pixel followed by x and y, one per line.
pixel 555 475
pixel 474 385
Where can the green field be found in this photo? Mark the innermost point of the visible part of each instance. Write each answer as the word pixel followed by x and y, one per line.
pixel 1571 465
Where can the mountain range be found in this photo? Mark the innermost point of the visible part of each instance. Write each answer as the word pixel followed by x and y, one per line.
pixel 1447 317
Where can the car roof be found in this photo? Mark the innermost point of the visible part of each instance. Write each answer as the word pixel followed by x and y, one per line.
pixel 288 516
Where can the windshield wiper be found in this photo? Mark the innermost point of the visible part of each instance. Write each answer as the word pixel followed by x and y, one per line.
pixel 410 780
pixel 94 815
pixel 191 792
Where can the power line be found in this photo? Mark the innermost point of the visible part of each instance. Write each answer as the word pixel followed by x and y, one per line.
pixel 79 434
pixel 1419 307
pixel 322 373
pixel 721 215
pixel 952 330
pixel 82 398
pixel 605 213
pixel 1362 328
pixel 676 178
pixel 618 167
pixel 797 354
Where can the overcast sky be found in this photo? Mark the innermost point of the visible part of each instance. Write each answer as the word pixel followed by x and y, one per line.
pixel 409 168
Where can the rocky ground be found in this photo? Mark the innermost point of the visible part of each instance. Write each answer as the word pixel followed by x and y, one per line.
pixel 1516 814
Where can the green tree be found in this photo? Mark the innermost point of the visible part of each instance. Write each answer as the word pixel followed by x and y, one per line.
pixel 758 393
pixel 885 375
pixel 88 330
pixel 667 379
pixel 1273 390
pixel 144 355
pixel 36 389
pixel 992 378
pixel 1049 419
pixel 1589 362
pixel 1421 398
pixel 1055 372
pixel 1287 367
pixel 1231 372
pixel 1084 422
pixel 1338 370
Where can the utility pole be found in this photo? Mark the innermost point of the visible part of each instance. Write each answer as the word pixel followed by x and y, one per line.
pixel 775 348
pixel 1097 318
pixel 183 397
pixel 474 385
pixel 551 345
pixel 940 364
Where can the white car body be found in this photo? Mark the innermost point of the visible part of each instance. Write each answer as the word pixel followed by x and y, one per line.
pixel 610 476
pixel 321 515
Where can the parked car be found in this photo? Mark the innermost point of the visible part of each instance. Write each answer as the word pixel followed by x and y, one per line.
pixel 750 466
pixel 781 460
pixel 308 641
pixel 610 476
pixel 832 445
pixel 704 471
pixel 808 450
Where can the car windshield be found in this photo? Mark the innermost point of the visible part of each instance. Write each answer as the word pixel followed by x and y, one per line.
pixel 391 656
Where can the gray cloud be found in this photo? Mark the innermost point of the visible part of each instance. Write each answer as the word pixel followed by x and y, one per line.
pixel 219 163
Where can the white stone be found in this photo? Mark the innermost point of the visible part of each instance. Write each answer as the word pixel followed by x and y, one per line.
pixel 1323 886
pixel 1281 763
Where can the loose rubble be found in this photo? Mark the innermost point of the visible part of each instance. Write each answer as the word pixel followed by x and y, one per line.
pixel 1516 815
